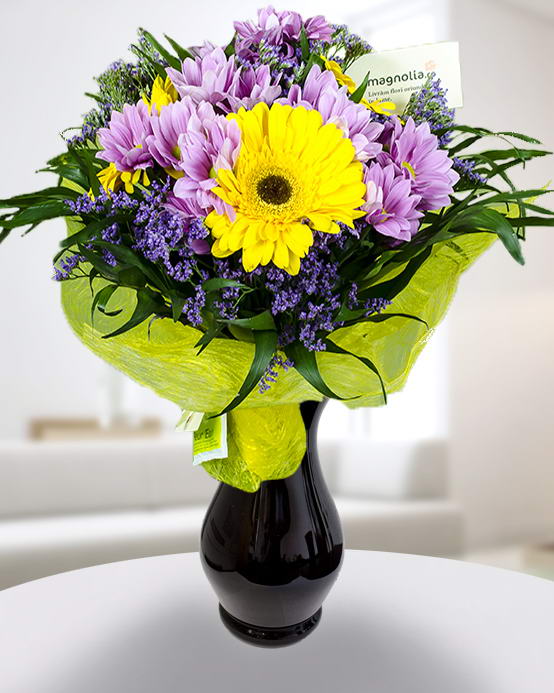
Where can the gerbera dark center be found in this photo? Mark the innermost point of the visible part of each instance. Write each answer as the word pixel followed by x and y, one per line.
pixel 275 190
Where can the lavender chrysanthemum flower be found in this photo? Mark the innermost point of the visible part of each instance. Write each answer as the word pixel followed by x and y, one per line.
pixel 167 127
pixel 278 27
pixel 207 78
pixel 124 140
pixel 254 85
pixel 209 142
pixel 321 91
pixel 392 206
pixel 415 150
pixel 217 79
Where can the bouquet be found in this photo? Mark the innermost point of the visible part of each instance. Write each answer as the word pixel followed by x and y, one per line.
pixel 246 231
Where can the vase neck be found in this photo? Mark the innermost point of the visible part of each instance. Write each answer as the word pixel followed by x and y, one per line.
pixel 311 413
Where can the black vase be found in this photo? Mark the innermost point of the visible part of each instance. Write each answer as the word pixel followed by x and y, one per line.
pixel 273 555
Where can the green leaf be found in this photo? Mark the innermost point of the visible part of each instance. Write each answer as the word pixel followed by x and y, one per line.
pixel 171 59
pixel 305 363
pixel 262 321
pixel 230 47
pixel 516 195
pixel 382 317
pixel 518 154
pixel 358 95
pixel 128 256
pixel 158 69
pixel 85 234
pixel 336 349
pixel 304 45
pixel 390 288
pixel 181 52
pixel 177 305
pixel 148 303
pixel 34 215
pixel 530 221
pixel 101 299
pixel 218 283
pixel 59 192
pixel 519 136
pixel 492 221
pixel 266 344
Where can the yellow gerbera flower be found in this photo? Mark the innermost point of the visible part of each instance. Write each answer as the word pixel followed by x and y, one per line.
pixel 293 174
pixel 163 93
pixel 381 107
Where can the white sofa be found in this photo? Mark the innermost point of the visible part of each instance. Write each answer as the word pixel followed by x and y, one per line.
pixel 70 505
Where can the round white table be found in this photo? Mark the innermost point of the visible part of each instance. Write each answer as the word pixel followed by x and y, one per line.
pixel 392 624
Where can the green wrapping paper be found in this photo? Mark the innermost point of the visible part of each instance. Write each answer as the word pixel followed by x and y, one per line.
pixel 266 437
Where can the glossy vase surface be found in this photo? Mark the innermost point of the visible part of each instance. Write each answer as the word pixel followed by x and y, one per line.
pixel 273 555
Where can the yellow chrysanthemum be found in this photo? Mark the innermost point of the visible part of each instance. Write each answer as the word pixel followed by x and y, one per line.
pixel 381 107
pixel 163 93
pixel 293 174
pixel 110 178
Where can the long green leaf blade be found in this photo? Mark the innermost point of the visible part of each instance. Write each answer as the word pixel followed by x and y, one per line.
pixel 266 344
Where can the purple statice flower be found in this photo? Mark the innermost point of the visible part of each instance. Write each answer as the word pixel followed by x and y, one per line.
pixel 192 310
pixel 415 151
pixel 110 234
pixel 272 373
pixel 466 169
pixel 66 266
pixel 370 306
pixel 210 142
pixel 430 105
pixel 103 203
pixel 163 236
pixel 391 203
pixel 157 230
pixel 321 92
pixel 344 47
pixel 124 140
pixel 310 296
pixel 197 234
pixel 219 80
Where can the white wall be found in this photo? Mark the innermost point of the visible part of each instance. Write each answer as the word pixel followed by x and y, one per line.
pixel 502 326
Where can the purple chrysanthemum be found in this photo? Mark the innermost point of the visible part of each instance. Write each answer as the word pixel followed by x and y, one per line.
pixel 415 150
pixel 124 140
pixel 321 91
pixel 208 142
pixel 392 206
pixel 167 127
pixel 277 28
pixel 217 79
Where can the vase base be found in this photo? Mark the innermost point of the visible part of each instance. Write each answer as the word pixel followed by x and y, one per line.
pixel 269 637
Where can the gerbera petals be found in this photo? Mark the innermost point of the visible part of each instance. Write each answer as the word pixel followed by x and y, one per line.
pixel 291 167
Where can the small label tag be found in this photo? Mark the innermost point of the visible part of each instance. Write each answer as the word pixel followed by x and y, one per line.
pixel 396 75
pixel 210 440
pixel 189 421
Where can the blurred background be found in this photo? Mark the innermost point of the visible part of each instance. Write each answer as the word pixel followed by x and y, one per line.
pixel 459 464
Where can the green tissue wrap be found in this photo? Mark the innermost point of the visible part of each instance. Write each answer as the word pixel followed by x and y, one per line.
pixel 266 436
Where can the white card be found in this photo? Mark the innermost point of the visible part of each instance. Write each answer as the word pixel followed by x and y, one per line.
pixel 395 75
